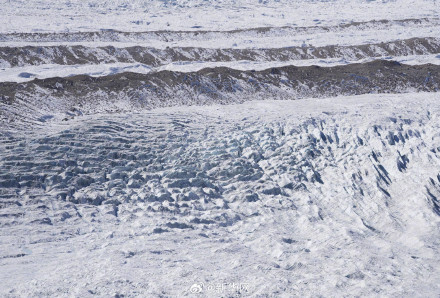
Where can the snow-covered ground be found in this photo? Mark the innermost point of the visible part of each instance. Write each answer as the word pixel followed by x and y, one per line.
pixel 195 15
pixel 274 37
pixel 142 153
pixel 329 197
pixel 202 27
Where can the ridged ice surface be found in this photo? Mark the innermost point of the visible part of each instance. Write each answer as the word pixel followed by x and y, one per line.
pixel 313 197
pixel 219 148
pixel 199 15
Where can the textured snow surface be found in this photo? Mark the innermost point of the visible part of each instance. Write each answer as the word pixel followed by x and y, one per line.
pixel 351 33
pixel 140 15
pixel 113 185
pixel 200 34
pixel 313 197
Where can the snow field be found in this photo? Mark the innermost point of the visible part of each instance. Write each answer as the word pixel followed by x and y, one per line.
pixel 335 195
